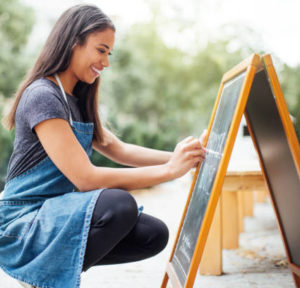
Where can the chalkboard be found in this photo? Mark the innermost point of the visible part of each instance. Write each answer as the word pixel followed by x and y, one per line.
pixel 252 87
pixel 278 163
pixel 197 207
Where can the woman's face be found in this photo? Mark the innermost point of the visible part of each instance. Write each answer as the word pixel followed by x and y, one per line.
pixel 92 57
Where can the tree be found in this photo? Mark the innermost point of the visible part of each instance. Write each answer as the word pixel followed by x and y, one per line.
pixel 16 22
pixel 289 80
pixel 6 147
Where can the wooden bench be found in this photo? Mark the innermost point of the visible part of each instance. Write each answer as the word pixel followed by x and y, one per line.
pixel 236 201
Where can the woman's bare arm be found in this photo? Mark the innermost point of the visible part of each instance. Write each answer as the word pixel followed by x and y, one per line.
pixel 65 151
pixel 130 154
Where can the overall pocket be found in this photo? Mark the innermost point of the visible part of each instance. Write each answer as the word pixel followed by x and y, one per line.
pixel 16 218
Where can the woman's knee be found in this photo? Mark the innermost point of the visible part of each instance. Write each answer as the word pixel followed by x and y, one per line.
pixel 122 205
pixel 162 236
pixel 158 234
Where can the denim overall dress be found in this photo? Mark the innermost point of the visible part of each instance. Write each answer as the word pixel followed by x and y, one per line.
pixel 44 223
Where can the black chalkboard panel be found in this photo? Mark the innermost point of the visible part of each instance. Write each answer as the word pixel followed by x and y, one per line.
pixel 186 243
pixel 264 120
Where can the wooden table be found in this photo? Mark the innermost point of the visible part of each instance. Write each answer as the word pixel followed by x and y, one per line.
pixel 236 201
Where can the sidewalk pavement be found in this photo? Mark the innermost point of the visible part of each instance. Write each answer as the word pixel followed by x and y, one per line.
pixel 259 262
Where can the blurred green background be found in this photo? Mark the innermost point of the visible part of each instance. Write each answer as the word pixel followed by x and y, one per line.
pixel 154 94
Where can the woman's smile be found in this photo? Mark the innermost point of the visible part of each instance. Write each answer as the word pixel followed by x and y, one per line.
pixel 96 71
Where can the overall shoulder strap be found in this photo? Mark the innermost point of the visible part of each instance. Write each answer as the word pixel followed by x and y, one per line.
pixel 65 96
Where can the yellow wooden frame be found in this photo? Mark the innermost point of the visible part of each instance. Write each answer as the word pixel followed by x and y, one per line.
pixel 250 65
pixel 283 110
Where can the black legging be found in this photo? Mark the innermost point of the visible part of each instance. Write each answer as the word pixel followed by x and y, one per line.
pixel 118 235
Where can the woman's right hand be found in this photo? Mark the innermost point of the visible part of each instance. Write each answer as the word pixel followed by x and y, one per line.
pixel 186 155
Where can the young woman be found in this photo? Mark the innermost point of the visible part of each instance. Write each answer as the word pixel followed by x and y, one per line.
pixel 49 233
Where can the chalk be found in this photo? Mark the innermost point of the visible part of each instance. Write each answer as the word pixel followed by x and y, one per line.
pixel 213 152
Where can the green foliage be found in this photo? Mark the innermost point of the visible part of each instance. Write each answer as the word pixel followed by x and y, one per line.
pixel 16 22
pixel 289 80
pixel 6 147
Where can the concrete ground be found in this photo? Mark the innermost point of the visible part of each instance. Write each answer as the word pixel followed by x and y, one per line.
pixel 259 262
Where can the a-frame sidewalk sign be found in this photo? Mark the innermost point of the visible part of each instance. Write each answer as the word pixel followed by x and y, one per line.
pixel 250 88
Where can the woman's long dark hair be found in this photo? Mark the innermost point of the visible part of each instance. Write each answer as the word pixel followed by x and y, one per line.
pixel 72 28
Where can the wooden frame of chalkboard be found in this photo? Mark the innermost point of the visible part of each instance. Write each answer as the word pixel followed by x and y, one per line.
pixel 279 155
pixel 182 266
pixel 283 110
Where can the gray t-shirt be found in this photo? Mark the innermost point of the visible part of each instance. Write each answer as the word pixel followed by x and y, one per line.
pixel 40 101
